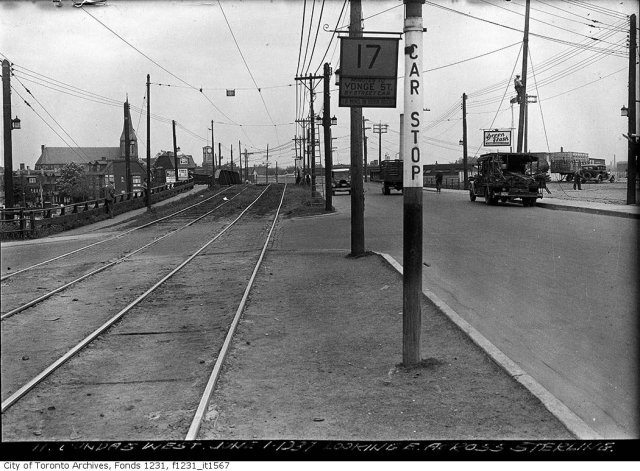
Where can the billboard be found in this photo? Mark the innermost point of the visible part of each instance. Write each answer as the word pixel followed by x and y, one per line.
pixel 497 138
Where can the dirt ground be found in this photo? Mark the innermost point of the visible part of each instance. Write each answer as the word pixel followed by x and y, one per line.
pixel 317 356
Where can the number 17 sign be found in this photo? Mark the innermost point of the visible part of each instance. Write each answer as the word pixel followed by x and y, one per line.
pixel 368 72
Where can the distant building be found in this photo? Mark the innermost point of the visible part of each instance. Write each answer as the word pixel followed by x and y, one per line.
pixel 164 167
pixel 101 164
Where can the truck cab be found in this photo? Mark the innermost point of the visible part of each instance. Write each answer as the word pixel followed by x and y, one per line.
pixel 341 181
pixel 506 177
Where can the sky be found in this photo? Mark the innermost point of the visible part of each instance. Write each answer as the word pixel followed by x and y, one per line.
pixel 77 66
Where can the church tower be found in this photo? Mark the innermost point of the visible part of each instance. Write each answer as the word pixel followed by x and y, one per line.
pixel 133 139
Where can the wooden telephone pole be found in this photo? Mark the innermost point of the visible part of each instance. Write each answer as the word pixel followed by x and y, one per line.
pixel 523 92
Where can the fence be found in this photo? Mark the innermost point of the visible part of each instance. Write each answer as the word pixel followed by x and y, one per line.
pixel 20 222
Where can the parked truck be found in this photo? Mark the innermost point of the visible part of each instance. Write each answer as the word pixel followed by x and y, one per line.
pixel 503 177
pixel 566 164
pixel 391 175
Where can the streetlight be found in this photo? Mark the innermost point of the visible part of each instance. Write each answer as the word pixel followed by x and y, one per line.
pixel 15 123
pixel 624 111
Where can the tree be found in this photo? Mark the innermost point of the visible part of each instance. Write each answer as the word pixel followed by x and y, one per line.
pixel 72 183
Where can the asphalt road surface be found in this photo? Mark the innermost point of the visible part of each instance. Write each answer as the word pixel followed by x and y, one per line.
pixel 556 291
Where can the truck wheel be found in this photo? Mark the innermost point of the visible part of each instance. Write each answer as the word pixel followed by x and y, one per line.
pixel 586 176
pixel 472 195
pixel 488 197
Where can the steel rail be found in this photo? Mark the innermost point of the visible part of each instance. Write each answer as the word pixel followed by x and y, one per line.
pixel 11 400
pixel 4 277
pixel 213 378
pixel 108 265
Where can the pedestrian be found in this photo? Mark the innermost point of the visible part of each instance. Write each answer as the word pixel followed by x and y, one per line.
pixel 307 179
pixel 577 180
pixel 109 199
pixel 438 181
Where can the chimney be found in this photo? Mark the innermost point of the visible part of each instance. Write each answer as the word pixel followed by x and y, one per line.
pixel 42 147
pixel 21 166
pixel 561 149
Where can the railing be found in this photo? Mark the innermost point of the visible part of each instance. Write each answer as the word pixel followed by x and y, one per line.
pixel 22 222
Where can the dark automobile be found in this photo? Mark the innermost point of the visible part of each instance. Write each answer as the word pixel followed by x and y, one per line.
pixel 341 181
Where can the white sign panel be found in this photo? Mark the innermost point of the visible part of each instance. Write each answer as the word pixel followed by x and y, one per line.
pixel 413 104
pixel 497 138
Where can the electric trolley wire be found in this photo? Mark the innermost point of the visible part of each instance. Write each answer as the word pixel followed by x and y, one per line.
pixel 45 122
pixel 250 73
pixel 549 38
pixel 543 22
pixel 159 65
pixel 54 119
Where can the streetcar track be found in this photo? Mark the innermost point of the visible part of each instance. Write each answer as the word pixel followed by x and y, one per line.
pixel 119 235
pixel 26 388
pixel 109 264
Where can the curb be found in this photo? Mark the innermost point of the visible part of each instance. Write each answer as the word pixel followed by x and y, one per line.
pixel 581 209
pixel 568 418
pixel 562 207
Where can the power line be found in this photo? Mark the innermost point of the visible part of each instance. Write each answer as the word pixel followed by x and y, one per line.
pixel 333 34
pixel 549 38
pixel 158 65
pixel 249 70
pixel 45 122
pixel 315 40
pixel 304 12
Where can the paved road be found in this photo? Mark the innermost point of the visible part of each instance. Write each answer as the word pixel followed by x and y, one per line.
pixel 554 290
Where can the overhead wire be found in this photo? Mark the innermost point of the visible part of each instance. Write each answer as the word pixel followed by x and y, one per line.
pixel 159 65
pixel 250 74
pixel 74 150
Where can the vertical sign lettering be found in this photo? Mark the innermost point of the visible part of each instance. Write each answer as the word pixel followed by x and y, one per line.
pixel 412 168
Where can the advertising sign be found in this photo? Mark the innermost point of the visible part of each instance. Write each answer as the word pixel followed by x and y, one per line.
pixel 497 138
pixel 368 72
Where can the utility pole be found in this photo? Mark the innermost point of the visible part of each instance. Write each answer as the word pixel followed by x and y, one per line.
pixel 380 129
pixel 266 171
pixel 240 159
pixel 412 184
pixel 232 157
pixel 313 138
pixel 632 167
pixel 246 165
pixel 357 193
pixel 364 147
pixel 148 195
pixel 523 94
pixel 326 122
pixel 213 159
pixel 220 155
pixel 8 145
pixel 175 150
pixel 127 147
pixel 464 141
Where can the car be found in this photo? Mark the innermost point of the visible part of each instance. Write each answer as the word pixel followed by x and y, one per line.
pixel 341 181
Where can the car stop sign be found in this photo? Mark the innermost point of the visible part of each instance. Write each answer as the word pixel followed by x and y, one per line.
pixel 368 72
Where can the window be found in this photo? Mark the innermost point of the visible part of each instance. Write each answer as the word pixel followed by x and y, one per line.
pixel 32 180
pixel 184 161
pixel 136 179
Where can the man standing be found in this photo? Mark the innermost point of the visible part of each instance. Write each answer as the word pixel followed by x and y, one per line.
pixel 577 180
pixel 109 199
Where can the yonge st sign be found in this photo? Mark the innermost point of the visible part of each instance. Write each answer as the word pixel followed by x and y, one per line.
pixel 368 72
